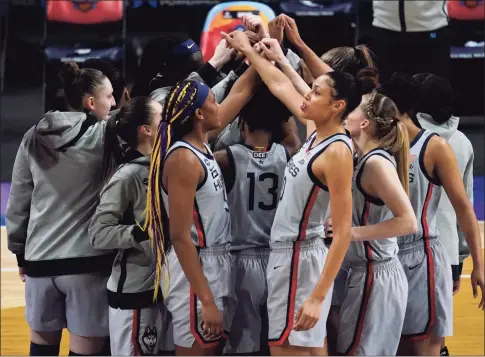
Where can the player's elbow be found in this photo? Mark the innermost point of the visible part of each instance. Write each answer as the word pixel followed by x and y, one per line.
pixel 96 235
pixel 343 235
pixel 278 88
pixel 180 240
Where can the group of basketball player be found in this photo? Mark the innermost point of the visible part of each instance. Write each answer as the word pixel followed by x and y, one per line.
pixel 263 242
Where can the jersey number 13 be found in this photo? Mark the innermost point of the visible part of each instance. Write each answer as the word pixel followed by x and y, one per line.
pixel 272 190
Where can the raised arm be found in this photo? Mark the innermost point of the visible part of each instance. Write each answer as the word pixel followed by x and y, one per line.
pixel 106 230
pixel 316 66
pixel 275 80
pixel 184 173
pixel 380 179
pixel 273 52
pixel 446 168
pixel 237 98
pixel 333 168
pixel 291 140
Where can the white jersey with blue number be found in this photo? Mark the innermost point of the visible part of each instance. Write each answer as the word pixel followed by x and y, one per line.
pixel 212 223
pixel 304 200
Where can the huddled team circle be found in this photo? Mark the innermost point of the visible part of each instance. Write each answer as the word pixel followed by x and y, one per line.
pixel 191 219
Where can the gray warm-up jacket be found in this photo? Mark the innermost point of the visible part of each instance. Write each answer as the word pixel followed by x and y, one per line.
pixel 56 181
pixel 115 226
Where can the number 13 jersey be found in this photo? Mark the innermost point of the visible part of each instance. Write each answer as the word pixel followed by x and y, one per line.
pixel 258 180
pixel 304 200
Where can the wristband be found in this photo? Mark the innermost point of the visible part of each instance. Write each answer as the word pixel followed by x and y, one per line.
pixel 242 68
pixel 456 271
pixel 20 260
pixel 140 235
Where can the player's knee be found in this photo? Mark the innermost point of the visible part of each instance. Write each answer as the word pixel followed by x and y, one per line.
pixel 46 337
pixel 87 346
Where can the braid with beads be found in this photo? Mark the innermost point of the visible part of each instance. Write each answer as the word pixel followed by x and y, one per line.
pixel 178 109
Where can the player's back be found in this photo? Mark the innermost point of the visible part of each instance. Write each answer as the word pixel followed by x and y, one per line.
pixel 254 194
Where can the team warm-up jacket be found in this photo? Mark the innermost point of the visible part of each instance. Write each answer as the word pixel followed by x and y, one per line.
pixel 56 181
pixel 117 225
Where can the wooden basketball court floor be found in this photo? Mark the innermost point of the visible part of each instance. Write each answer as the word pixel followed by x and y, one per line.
pixel 468 339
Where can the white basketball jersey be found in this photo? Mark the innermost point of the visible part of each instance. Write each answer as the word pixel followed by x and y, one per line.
pixel 424 191
pixel 212 224
pixel 304 199
pixel 253 198
pixel 368 210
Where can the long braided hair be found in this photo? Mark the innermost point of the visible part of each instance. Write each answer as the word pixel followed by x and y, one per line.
pixel 177 121
pixel 390 131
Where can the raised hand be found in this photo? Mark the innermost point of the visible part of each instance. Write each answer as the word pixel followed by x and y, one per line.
pixel 291 30
pixel 238 40
pixel 222 55
pixel 256 24
pixel 276 28
pixel 253 37
pixel 272 49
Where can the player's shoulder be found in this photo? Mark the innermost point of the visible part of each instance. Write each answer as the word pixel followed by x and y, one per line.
pixel 379 163
pixel 181 156
pixel 338 150
pixel 436 143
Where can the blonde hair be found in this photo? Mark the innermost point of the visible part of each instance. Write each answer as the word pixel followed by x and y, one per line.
pixel 390 131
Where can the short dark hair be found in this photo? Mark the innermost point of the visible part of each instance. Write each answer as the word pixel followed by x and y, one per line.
pixel 404 92
pixel 264 112
pixel 436 97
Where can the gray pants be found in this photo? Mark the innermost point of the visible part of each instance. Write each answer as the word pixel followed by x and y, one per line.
pixel 249 323
pixel 430 300
pixel 372 312
pixel 78 302
pixel 183 304
pixel 139 332
pixel 293 272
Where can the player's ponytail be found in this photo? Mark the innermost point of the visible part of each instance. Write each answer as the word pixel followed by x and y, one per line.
pixel 349 59
pixel 390 131
pixel 112 150
pixel 121 135
pixel 400 151
pixel 177 120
